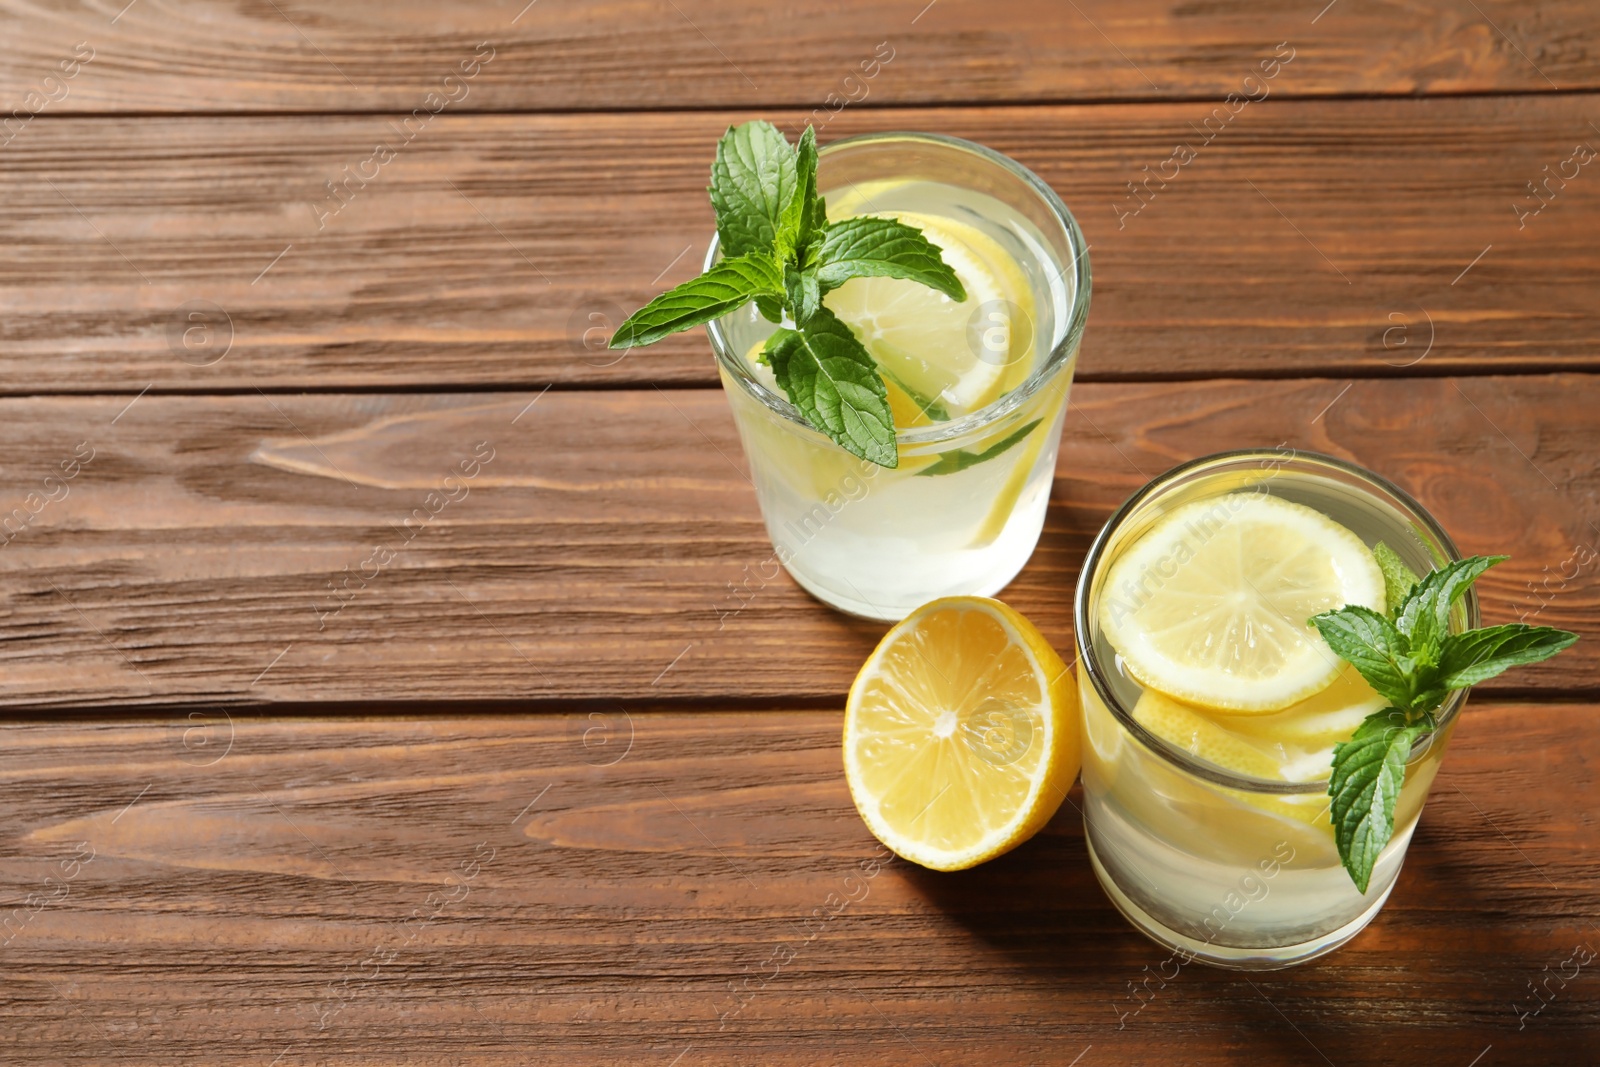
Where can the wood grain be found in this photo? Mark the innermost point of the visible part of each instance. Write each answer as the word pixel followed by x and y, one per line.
pixel 1372 237
pixel 615 888
pixel 257 549
pixel 215 56
pixel 1310 238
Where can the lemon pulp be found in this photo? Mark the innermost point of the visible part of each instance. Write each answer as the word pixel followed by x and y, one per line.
pixel 961 733
pixel 949 358
pixel 1211 605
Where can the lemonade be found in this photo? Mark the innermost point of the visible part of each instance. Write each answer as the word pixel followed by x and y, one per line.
pixel 1211 709
pixel 978 387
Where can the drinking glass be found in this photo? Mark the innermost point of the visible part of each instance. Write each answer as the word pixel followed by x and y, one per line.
pixel 1232 870
pixel 963 511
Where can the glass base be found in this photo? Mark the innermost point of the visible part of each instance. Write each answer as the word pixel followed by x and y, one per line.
pixel 896 609
pixel 1266 958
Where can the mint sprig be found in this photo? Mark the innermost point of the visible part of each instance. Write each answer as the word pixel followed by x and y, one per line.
pixel 1412 660
pixel 727 286
pixel 784 255
pixel 754 182
pixel 828 375
pixel 870 247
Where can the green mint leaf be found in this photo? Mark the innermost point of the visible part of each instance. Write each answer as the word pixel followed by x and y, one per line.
pixel 1414 662
pixel 1375 647
pixel 868 247
pixel 727 286
pixel 803 292
pixel 833 381
pixel 928 405
pixel 1368 772
pixel 753 184
pixel 1398 579
pixel 1472 657
pixel 804 220
pixel 771 308
pixel 1424 616
pixel 819 223
pixel 951 462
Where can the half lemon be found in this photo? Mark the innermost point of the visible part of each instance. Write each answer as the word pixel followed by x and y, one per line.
pixel 961 734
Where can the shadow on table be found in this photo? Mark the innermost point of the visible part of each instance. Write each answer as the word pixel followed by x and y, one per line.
pixel 1431 981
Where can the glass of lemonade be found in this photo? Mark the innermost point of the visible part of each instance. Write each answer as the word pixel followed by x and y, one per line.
pixel 1207 813
pixel 978 388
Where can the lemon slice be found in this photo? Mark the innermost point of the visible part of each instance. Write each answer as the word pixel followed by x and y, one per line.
pixel 1195 732
pixel 1211 605
pixel 1005 501
pixel 1187 728
pixel 1320 721
pixel 961 356
pixel 961 734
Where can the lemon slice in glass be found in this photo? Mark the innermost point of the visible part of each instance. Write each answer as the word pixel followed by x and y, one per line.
pixel 1192 730
pixel 1211 605
pixel 958 356
pixel 1318 722
pixel 961 734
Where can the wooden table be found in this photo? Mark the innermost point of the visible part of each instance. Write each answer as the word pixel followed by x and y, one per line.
pixel 558 781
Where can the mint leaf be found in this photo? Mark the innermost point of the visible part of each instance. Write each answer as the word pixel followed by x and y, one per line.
pixel 832 379
pixel 1424 616
pixel 727 286
pixel 1472 657
pixel 803 292
pixel 951 462
pixel 771 308
pixel 805 217
pixel 1398 579
pixel 1375 647
pixel 868 247
pixel 753 185
pixel 782 253
pixel 1368 772
pixel 1414 662
pixel 819 222
pixel 928 405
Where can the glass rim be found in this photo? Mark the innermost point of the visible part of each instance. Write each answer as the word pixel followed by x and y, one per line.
pixel 1183 760
pixel 1076 318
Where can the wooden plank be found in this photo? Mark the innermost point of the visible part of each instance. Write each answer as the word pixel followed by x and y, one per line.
pixel 255 549
pixel 494 890
pixel 215 56
pixel 1308 238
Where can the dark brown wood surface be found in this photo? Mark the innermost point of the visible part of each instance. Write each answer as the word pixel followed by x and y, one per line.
pixel 561 783
pixel 219 549
pixel 617 886
pixel 1372 237
pixel 286 56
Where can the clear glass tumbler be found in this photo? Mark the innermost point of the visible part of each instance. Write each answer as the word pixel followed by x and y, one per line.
pixel 963 510
pixel 1232 870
